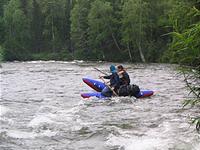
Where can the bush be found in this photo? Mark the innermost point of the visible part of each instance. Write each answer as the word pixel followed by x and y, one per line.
pixel 192 79
pixel 20 55
pixel 64 55
pixel 1 53
pixel 88 55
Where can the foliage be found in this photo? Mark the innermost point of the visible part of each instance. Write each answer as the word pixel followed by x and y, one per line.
pixel 197 122
pixel 1 53
pixel 54 14
pixel 101 23
pixel 63 55
pixel 36 28
pixel 192 79
pixel 133 30
pixel 185 48
pixel 79 26
pixel 134 22
pixel 17 32
pixel 87 29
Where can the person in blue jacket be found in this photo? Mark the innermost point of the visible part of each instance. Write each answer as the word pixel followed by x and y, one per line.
pixel 114 82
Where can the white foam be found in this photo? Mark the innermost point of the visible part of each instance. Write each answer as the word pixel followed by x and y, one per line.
pixel 40 120
pixel 29 135
pixel 20 134
pixel 49 118
pixel 144 144
pixel 6 121
pixel 47 133
pixel 3 110
pixel 196 147
pixel 136 143
pixel 33 62
pixel 78 61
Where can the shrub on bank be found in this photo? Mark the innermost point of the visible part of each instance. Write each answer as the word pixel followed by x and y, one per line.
pixel 64 55
pixel 1 53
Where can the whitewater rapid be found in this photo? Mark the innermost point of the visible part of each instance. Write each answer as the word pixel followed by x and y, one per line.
pixel 41 109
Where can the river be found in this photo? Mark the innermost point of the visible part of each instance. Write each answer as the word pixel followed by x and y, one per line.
pixel 41 109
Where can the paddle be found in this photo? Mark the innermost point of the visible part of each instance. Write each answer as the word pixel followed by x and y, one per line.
pixel 105 81
pixel 101 71
pixel 109 86
pixel 107 73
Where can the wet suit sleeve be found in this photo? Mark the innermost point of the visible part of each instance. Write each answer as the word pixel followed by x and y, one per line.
pixel 117 80
pixel 107 77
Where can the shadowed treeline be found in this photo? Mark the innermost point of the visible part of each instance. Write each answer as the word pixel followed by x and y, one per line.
pixel 113 30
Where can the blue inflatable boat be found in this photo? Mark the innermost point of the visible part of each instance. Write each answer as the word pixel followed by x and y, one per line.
pixel 99 86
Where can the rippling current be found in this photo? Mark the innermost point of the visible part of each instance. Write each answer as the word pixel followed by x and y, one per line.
pixel 41 109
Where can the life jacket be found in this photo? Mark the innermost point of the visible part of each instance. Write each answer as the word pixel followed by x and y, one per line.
pixel 124 78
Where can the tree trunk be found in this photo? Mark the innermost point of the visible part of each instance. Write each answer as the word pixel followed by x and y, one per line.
pixel 53 35
pixel 116 43
pixel 141 53
pixel 68 25
pixel 129 52
pixel 140 35
pixel 24 4
pixel 113 36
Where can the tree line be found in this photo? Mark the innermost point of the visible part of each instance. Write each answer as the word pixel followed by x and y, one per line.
pixel 112 30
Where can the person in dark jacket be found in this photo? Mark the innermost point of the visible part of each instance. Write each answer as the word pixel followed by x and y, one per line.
pixel 123 75
pixel 114 82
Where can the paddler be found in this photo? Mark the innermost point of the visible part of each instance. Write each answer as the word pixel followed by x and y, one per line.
pixel 123 75
pixel 111 89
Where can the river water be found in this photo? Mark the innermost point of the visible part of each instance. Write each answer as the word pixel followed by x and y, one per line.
pixel 41 109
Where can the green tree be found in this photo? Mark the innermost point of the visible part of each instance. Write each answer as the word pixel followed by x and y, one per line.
pixel 67 25
pixel 2 27
pixel 54 17
pixel 156 29
pixel 37 23
pixel 94 29
pixel 182 14
pixel 184 48
pixel 17 32
pixel 134 22
pixel 24 6
pixel 79 28
pixel 102 27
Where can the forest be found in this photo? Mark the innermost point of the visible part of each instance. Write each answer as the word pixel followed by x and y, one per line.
pixel 133 30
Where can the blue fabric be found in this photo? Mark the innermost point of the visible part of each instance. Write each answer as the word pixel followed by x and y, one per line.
pixel 114 80
pixel 106 92
pixel 113 69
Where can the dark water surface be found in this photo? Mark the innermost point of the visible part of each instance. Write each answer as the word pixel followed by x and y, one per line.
pixel 41 109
